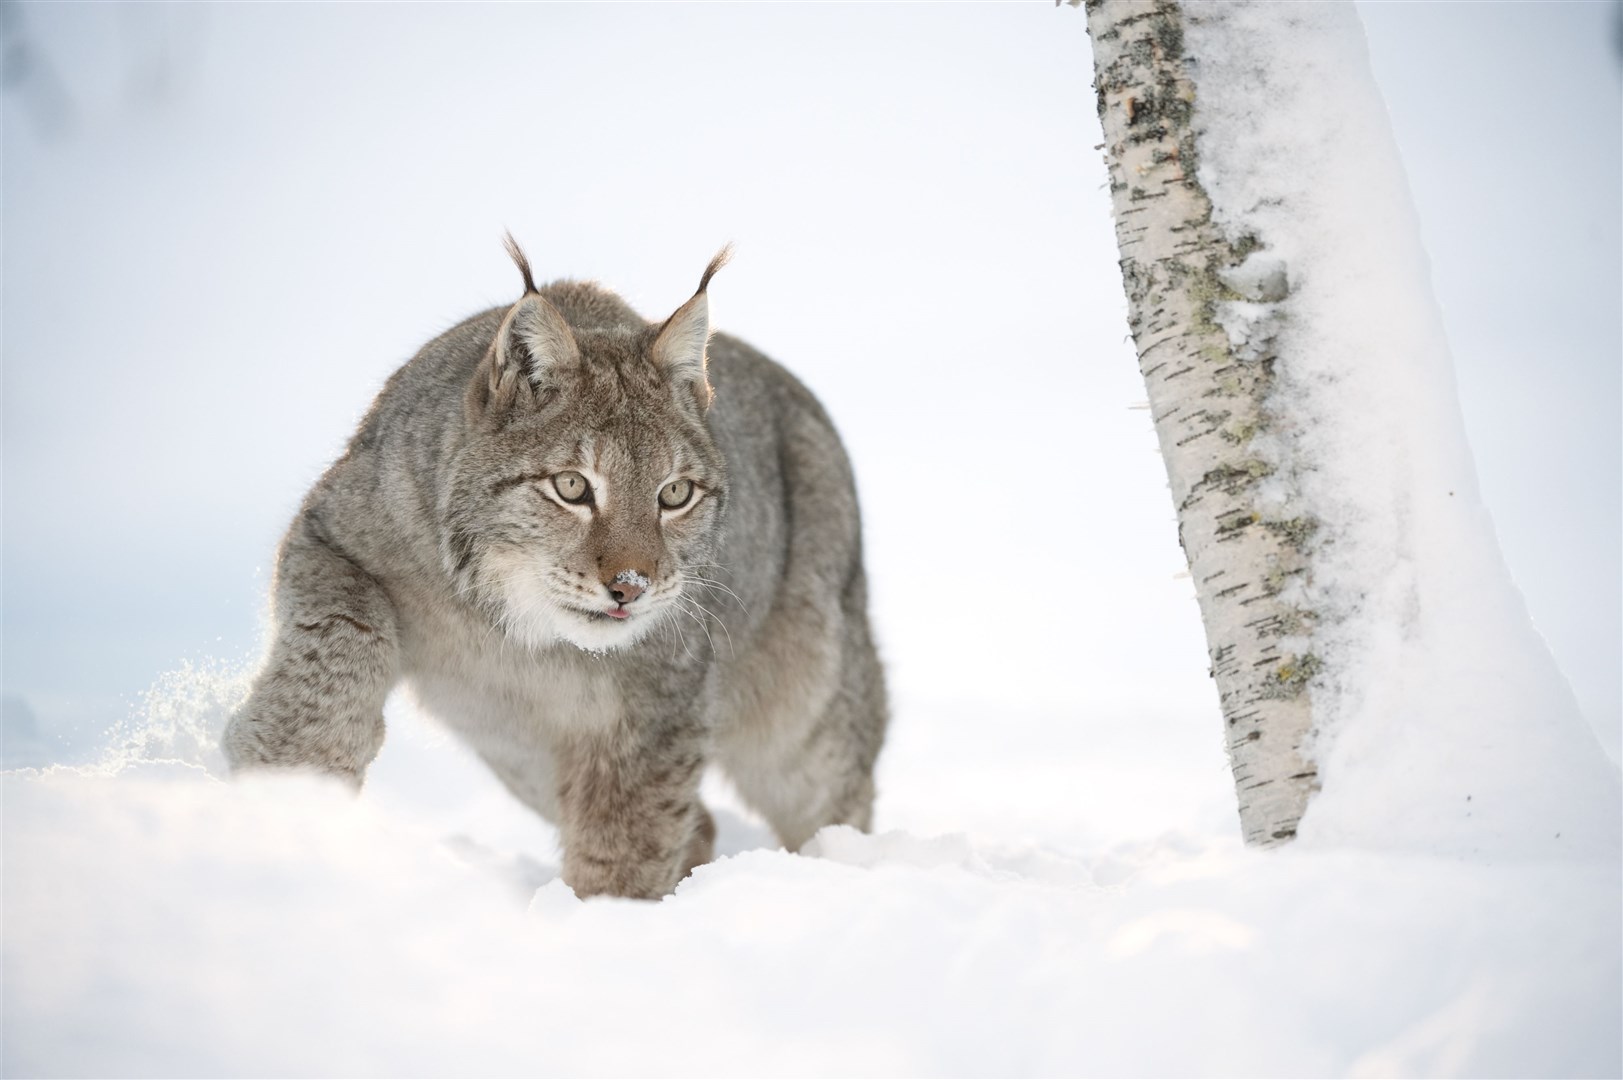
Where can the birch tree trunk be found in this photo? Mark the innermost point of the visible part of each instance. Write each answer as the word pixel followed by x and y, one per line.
pixel 1209 400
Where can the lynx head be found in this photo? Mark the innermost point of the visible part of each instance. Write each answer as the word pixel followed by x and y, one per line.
pixel 589 490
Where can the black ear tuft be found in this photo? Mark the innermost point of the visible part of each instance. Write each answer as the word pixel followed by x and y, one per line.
pixel 516 253
pixel 722 258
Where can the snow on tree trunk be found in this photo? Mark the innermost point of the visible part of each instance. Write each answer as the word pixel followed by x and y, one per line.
pixel 1369 648
pixel 1209 399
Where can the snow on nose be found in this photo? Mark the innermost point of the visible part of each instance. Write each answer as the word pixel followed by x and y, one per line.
pixel 627 586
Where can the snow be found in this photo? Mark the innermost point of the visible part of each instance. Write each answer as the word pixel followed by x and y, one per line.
pixel 1251 327
pixel 1260 277
pixel 1056 886
pixel 163 922
pixel 1443 721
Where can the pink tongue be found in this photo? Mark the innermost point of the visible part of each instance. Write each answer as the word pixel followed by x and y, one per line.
pixel 618 613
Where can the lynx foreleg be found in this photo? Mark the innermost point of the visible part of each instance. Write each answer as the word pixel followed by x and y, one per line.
pixel 318 701
pixel 632 821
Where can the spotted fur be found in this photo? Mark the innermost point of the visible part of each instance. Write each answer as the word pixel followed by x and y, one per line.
pixel 597 649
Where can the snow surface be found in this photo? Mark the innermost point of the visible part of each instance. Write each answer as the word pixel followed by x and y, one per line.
pixel 162 922
pixel 1056 889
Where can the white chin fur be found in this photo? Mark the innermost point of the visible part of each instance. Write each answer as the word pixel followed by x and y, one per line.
pixel 601 635
pixel 532 615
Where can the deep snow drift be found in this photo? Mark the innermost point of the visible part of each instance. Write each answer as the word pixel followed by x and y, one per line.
pixel 1052 892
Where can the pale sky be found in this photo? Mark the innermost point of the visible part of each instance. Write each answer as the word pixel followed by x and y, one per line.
pixel 225 225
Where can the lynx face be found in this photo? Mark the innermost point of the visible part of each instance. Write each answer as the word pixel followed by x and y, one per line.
pixel 590 491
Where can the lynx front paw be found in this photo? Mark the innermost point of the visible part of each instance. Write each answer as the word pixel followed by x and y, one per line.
pixel 263 735
pixel 593 876
pixel 643 868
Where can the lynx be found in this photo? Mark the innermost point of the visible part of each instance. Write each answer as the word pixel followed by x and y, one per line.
pixel 606 553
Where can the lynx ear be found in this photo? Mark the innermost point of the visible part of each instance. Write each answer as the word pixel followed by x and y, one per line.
pixel 679 347
pixel 534 339
pixel 532 344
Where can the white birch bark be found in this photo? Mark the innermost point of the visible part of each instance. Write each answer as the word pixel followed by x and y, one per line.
pixel 1209 400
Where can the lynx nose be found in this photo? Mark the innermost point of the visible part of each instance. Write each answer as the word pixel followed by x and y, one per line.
pixel 627 586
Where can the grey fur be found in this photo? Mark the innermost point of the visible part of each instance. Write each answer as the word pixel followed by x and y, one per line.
pixel 437 551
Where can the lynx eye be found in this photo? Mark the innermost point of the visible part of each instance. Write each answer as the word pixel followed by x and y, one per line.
pixel 675 495
pixel 572 487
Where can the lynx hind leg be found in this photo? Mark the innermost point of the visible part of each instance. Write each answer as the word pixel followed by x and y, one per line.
pixel 806 767
pixel 842 744
pixel 318 701
pixel 802 725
